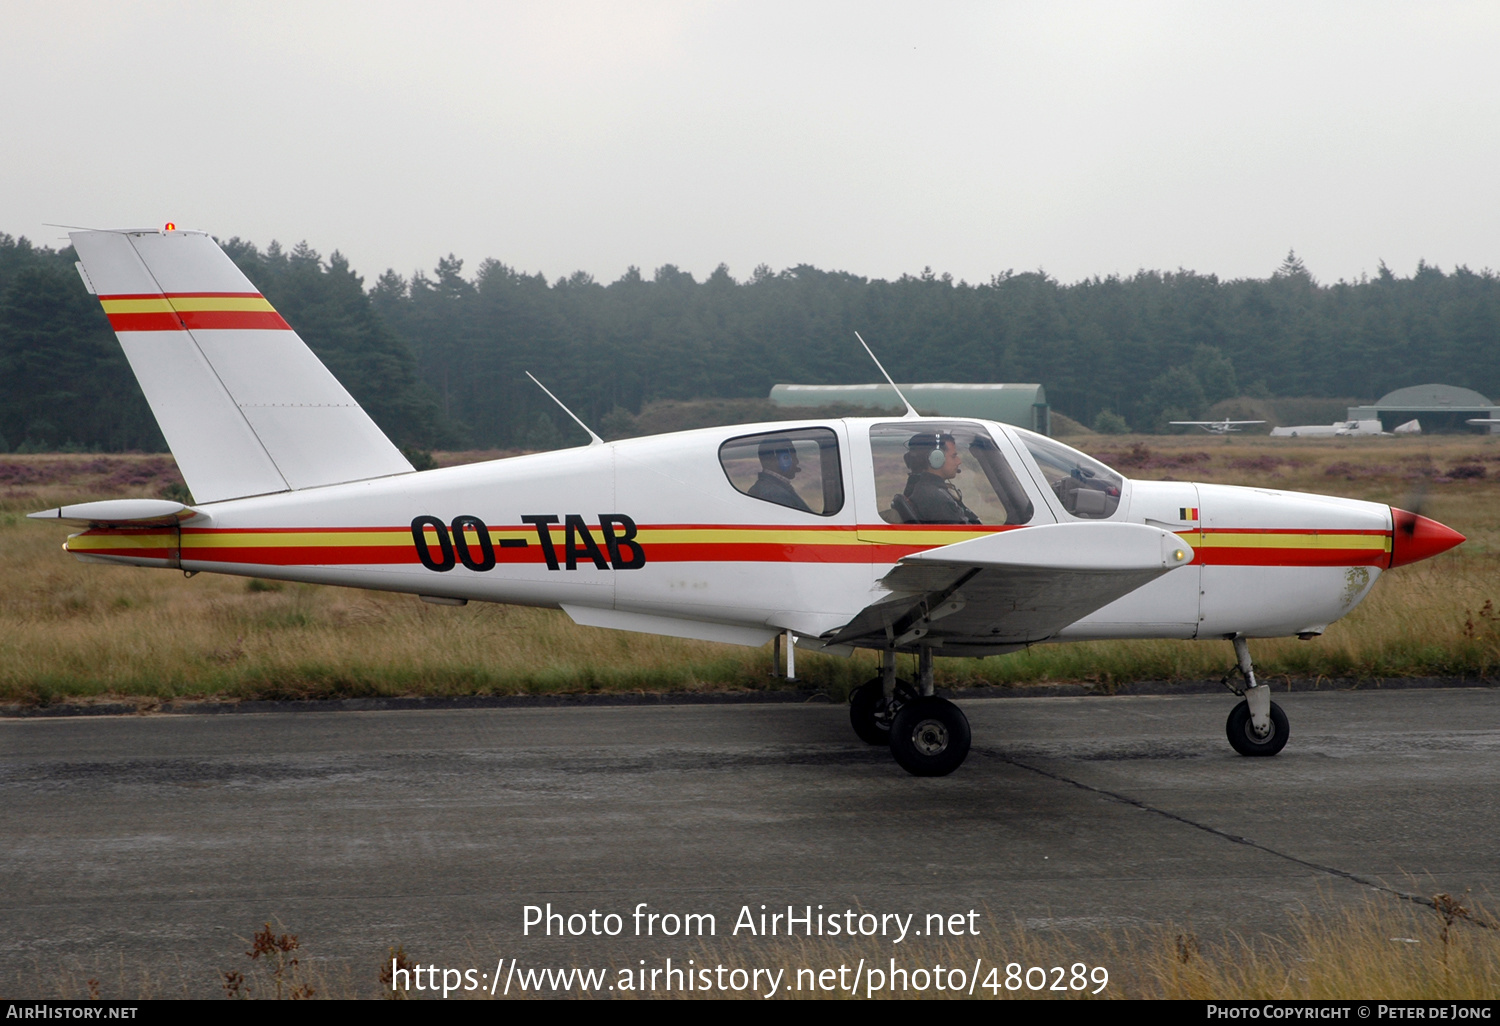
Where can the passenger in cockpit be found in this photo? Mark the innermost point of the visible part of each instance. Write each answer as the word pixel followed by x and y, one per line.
pixel 778 465
pixel 934 462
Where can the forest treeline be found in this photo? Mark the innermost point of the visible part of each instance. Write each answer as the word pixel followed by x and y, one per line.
pixel 439 358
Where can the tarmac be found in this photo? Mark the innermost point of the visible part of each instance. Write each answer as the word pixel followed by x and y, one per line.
pixel 150 847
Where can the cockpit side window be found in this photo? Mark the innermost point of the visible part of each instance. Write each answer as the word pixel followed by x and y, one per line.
pixel 797 468
pixel 1086 487
pixel 919 478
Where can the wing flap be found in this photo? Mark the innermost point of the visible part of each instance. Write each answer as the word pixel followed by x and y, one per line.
pixel 672 627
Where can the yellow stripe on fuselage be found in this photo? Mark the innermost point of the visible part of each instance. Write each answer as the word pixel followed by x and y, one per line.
pixel 737 536
pixel 291 539
pixel 917 536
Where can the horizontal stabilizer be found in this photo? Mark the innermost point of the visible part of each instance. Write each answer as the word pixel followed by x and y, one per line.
pixel 121 513
pixel 245 405
pixel 1013 587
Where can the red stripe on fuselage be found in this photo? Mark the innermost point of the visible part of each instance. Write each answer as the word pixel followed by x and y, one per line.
pixel 1290 557
pixel 737 551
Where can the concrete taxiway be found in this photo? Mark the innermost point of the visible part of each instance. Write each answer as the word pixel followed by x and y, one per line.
pixel 160 842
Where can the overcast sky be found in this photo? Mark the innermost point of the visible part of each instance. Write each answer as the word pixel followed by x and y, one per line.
pixel 1083 139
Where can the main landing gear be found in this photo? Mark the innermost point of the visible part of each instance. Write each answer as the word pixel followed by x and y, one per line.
pixel 1256 726
pixel 929 736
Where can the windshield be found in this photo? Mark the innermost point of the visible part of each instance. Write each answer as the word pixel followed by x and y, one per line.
pixel 944 473
pixel 1086 487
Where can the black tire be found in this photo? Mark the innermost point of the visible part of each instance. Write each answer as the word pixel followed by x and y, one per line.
pixel 867 713
pixel 1243 739
pixel 930 737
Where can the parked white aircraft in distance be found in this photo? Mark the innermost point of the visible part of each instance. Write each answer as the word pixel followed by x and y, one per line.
pixel 1339 428
pixel 850 533
pixel 1217 427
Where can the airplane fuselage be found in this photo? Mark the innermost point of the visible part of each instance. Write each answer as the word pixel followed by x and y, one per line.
pixel 650 534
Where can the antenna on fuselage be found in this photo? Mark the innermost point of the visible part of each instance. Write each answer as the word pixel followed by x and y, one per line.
pixel 911 411
pixel 596 440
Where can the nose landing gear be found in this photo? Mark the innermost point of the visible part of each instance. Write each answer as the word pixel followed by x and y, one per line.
pixel 1256 726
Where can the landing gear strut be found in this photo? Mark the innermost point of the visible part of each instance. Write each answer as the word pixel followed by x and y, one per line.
pixel 1256 726
pixel 929 736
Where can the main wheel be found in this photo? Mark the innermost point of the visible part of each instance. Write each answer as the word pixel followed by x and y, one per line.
pixel 930 737
pixel 1242 735
pixel 868 714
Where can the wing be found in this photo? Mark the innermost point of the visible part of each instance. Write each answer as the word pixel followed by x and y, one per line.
pixel 1010 589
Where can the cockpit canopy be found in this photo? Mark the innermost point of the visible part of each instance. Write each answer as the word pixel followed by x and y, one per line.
pixel 925 472
pixel 944 473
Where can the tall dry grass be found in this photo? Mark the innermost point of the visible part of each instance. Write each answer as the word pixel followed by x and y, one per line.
pixel 1383 949
pixel 71 630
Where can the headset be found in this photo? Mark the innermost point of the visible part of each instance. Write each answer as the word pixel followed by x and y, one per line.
pixel 785 453
pixel 939 454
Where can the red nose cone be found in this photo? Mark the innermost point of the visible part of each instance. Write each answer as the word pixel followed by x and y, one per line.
pixel 1416 538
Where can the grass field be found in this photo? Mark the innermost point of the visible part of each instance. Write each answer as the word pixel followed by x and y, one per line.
pixel 75 631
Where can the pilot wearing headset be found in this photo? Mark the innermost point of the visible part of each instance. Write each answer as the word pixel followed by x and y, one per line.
pixel 934 462
pixel 778 465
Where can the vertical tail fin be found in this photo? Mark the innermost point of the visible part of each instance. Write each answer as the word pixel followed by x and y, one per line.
pixel 245 406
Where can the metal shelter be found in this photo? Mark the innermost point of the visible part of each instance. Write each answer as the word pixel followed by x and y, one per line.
pixel 1020 405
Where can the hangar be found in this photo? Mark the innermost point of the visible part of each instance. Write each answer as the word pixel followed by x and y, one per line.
pixel 1440 408
pixel 1020 405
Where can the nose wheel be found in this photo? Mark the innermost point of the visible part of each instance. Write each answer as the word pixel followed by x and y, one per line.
pixel 1256 726
pixel 1242 736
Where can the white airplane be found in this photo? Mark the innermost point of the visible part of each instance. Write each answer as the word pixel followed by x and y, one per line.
pixel 1217 427
pixel 849 533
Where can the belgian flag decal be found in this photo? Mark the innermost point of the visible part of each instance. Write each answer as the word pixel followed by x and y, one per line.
pixel 1187 513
